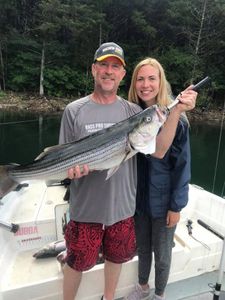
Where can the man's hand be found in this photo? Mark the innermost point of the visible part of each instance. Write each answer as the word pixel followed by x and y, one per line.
pixel 78 172
pixel 172 218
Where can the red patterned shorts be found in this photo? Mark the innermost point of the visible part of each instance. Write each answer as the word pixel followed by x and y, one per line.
pixel 83 242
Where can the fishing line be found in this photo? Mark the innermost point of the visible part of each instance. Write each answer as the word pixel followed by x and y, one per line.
pixel 223 190
pixel 218 149
pixel 18 122
pixel 25 121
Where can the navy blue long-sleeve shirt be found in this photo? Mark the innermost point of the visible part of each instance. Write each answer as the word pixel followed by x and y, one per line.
pixel 163 183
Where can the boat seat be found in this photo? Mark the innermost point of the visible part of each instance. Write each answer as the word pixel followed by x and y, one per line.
pixel 196 253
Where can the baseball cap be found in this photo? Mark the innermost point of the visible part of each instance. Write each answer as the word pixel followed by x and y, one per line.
pixel 109 49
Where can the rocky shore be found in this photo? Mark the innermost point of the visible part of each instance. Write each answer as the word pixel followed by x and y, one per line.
pixel 48 105
pixel 32 103
pixel 213 116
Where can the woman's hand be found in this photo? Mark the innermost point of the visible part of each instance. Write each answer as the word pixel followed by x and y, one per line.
pixel 172 218
pixel 187 99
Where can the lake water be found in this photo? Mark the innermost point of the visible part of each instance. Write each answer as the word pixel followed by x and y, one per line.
pixel 22 138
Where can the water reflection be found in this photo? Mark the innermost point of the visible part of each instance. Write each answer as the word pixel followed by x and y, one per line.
pixel 204 148
pixel 23 136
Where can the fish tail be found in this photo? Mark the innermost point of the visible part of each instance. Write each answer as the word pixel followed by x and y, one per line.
pixel 7 184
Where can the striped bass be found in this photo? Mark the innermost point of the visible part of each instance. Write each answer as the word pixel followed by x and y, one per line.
pixel 104 149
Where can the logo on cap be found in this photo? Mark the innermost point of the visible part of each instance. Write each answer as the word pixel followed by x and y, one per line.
pixel 107 50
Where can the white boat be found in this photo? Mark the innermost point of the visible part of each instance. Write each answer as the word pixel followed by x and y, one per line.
pixel 40 212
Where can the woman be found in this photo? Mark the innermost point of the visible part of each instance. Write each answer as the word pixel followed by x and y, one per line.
pixel 162 185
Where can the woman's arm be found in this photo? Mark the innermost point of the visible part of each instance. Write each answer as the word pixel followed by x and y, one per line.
pixel 166 136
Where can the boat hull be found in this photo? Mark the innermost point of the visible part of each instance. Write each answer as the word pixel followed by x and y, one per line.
pixel 39 211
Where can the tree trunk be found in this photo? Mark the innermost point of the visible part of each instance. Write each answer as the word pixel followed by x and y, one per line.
pixel 2 81
pixel 100 34
pixel 42 70
pixel 87 75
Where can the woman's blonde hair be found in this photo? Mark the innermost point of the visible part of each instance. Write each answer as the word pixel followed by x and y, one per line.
pixel 164 96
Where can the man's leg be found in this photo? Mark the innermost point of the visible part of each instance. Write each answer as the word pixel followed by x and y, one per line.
pixel 71 282
pixel 112 273
pixel 82 254
pixel 119 246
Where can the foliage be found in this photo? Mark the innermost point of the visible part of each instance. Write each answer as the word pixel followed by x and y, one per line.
pixel 2 95
pixel 187 39
pixel 67 82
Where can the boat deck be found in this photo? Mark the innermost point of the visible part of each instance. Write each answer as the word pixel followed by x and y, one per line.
pixel 26 271
pixel 41 222
pixel 38 226
pixel 206 296
pixel 195 288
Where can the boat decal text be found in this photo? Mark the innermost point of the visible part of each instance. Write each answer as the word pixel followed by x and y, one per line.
pixel 27 230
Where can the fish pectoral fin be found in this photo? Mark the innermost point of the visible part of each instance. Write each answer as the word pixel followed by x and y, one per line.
pixel 112 171
pixel 130 152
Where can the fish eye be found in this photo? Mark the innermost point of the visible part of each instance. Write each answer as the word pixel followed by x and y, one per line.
pixel 148 119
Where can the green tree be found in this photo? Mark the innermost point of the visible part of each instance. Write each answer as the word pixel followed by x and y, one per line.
pixel 47 46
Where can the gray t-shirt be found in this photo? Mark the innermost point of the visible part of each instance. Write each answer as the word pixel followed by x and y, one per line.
pixel 92 197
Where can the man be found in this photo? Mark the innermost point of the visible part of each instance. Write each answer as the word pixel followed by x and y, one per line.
pixel 101 211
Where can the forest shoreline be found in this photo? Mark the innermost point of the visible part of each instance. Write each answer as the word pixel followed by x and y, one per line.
pixel 12 102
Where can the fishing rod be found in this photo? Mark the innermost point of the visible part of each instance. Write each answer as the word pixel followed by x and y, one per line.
pixel 217 289
pixel 218 150
pixel 195 88
pixel 209 228
pixel 9 226
pixel 218 294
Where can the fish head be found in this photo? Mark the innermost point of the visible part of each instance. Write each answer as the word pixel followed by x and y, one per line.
pixel 143 137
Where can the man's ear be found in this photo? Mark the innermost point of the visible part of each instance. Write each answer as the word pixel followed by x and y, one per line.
pixel 124 73
pixel 93 70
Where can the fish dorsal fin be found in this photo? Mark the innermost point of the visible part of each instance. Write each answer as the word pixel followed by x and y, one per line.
pixel 48 150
